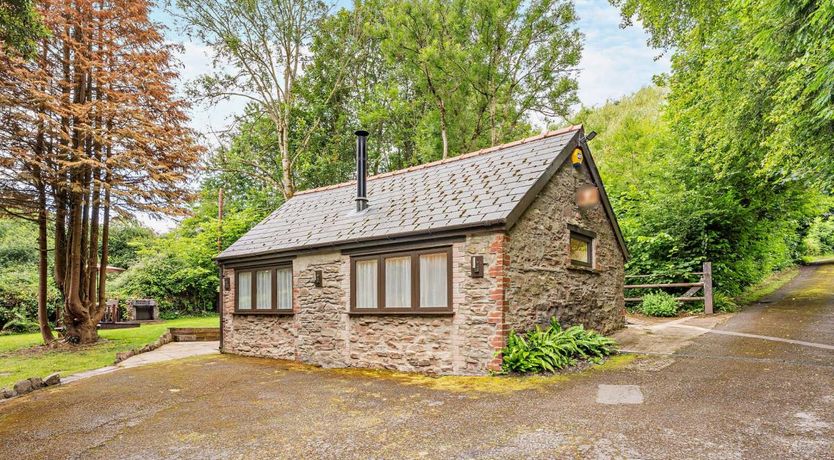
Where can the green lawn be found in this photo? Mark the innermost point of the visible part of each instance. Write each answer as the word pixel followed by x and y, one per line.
pixel 17 363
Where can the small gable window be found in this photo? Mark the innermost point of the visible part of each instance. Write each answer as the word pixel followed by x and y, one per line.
pixel 264 290
pixel 416 282
pixel 581 247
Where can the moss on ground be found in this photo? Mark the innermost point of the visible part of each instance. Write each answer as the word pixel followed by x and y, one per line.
pixel 767 286
pixel 458 384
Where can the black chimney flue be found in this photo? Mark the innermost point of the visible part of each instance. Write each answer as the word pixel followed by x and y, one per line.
pixel 361 170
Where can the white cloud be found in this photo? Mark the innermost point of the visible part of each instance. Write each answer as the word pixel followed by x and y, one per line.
pixel 160 226
pixel 196 61
pixel 615 62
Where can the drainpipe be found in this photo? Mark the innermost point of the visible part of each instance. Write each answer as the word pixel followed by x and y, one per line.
pixel 220 304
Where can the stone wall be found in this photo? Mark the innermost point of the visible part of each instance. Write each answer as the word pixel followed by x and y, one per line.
pixel 256 335
pixel 322 332
pixel 542 281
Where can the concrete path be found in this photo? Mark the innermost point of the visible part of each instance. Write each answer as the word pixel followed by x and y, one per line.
pixel 173 350
pixel 664 335
pixel 729 395
pixel 167 352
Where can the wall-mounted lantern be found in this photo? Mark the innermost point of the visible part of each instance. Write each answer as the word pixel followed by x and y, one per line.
pixel 227 283
pixel 477 265
pixel 318 279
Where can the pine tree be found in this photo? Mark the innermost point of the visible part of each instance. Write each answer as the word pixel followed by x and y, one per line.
pixel 96 130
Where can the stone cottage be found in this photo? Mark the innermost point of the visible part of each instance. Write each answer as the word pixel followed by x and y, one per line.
pixel 429 268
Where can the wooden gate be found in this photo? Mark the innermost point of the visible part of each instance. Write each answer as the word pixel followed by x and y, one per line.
pixel 704 283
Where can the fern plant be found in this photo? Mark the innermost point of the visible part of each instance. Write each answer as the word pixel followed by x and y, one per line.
pixel 19 324
pixel 553 348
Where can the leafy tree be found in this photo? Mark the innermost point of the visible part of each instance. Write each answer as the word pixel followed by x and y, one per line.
pixel 752 82
pixel 19 274
pixel 411 74
pixel 20 27
pixel 265 43
pixel 127 238
pixel 677 210
pixel 484 66
pixel 177 269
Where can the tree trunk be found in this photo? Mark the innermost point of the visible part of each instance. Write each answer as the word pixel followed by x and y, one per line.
pixel 105 235
pixel 77 320
pixel 60 261
pixel 443 128
pixel 43 268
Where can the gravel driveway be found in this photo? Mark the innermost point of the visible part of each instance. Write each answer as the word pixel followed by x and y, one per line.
pixel 723 396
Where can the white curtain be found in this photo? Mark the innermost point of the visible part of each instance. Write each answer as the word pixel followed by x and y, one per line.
pixel 366 284
pixel 433 279
pixel 263 290
pixel 398 282
pixel 244 291
pixel 285 288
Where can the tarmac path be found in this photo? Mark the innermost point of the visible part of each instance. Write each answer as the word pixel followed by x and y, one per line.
pixel 759 385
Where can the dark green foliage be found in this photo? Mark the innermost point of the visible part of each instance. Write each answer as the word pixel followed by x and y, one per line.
pixel 19 323
pixel 659 304
pixel 553 348
pixel 19 273
pixel 678 209
pixel 20 26
pixel 177 269
pixel 127 237
pixel 724 303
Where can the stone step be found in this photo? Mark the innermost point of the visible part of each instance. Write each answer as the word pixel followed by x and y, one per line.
pixel 196 334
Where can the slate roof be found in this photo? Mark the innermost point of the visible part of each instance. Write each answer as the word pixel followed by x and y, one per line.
pixel 473 190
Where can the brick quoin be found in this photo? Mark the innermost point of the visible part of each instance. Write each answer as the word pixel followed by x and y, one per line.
pixel 499 272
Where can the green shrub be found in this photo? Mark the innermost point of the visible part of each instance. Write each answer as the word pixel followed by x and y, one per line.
pixel 659 304
pixel 553 348
pixel 819 240
pixel 725 303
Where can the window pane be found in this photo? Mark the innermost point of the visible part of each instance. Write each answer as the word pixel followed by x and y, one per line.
pixel 263 289
pixel 366 284
pixel 398 282
pixel 244 290
pixel 579 250
pixel 433 280
pixel 285 288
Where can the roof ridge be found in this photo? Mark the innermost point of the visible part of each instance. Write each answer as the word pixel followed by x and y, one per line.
pixel 543 135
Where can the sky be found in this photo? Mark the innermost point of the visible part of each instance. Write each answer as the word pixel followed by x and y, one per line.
pixel 615 62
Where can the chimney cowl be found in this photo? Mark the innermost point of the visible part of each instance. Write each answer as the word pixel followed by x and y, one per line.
pixel 361 170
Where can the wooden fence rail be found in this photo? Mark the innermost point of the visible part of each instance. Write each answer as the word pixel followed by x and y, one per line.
pixel 705 283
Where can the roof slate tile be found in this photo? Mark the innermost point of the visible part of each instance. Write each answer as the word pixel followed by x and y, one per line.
pixel 477 188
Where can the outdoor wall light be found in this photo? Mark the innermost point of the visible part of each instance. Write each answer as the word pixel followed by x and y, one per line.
pixel 318 279
pixel 227 283
pixel 477 265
